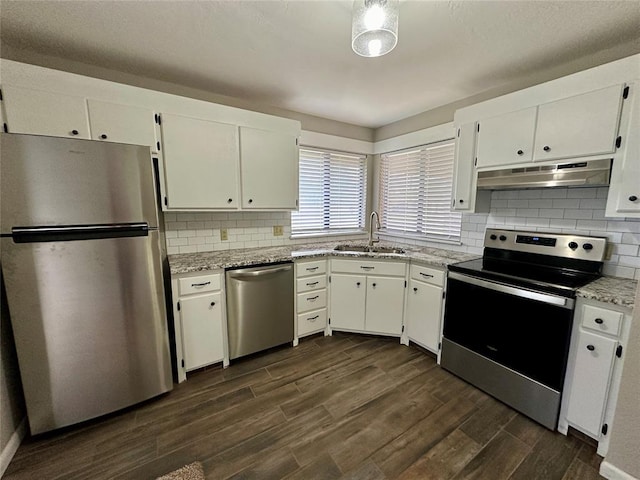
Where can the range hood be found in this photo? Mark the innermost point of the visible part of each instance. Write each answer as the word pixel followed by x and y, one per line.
pixel 594 173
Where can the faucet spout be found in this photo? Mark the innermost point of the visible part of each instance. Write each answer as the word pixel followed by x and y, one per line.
pixel 371 240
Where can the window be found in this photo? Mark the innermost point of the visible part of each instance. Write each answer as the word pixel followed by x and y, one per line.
pixel 333 192
pixel 416 192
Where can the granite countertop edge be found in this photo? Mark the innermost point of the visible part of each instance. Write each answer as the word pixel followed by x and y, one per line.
pixel 607 289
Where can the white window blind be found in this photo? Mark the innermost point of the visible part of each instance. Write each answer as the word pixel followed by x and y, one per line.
pixel 415 192
pixel 332 196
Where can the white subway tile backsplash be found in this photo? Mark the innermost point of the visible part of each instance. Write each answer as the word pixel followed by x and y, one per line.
pixel 563 210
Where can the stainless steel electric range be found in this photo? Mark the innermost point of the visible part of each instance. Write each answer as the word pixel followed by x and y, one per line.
pixel 508 316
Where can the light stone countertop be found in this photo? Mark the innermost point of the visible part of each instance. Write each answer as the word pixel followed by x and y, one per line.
pixel 196 262
pixel 615 290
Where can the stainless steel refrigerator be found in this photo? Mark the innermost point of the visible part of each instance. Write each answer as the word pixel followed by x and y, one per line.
pixel 82 261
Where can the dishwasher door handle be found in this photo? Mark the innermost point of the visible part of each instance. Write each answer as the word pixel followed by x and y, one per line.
pixel 259 273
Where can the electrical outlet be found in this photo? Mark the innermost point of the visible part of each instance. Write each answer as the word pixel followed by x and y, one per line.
pixel 277 230
pixel 224 235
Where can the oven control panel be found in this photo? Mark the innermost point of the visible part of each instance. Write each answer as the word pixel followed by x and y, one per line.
pixel 557 244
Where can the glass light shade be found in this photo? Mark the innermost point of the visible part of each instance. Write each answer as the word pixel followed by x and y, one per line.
pixel 374 29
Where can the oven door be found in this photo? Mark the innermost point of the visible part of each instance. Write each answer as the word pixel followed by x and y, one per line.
pixel 509 341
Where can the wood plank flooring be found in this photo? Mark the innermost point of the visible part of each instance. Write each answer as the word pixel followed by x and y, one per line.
pixel 343 407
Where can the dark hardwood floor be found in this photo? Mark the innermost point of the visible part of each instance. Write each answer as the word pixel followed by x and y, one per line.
pixel 347 406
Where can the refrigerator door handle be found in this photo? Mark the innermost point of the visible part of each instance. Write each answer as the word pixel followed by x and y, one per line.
pixel 78 232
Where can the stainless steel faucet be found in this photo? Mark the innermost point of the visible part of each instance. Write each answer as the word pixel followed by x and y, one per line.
pixel 371 240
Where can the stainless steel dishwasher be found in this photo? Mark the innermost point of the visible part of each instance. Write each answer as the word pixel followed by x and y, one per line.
pixel 259 308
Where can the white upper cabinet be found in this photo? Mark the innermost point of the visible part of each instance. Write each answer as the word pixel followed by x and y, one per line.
pixel 506 139
pixel 269 169
pixel 200 163
pixel 578 126
pixel 112 122
pixel 45 113
pixel 624 189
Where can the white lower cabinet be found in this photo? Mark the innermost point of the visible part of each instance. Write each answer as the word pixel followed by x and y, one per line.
pixel 368 302
pixel 199 321
pixel 596 356
pixel 423 315
pixel 311 297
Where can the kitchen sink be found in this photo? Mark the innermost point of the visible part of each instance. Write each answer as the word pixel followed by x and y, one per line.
pixel 365 248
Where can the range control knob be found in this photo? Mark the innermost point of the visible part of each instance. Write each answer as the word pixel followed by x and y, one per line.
pixel 493 236
pixel 573 245
pixel 502 238
pixel 587 246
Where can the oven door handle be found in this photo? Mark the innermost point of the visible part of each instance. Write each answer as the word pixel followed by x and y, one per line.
pixel 519 292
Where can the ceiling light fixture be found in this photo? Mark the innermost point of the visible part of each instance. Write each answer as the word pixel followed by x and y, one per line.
pixel 374 28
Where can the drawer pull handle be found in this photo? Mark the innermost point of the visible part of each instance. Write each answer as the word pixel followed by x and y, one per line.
pixel 313 299
pixel 364 267
pixel 198 285
pixel 426 275
pixel 313 319
pixel 213 304
pixel 311 284
pixel 591 348
pixel 311 269
pixel 599 321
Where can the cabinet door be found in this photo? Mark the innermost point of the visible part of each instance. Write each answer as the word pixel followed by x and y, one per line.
pixel 269 166
pixel 624 189
pixel 506 139
pixel 201 163
pixel 348 301
pixel 112 122
pixel 590 383
pixel 201 322
pixel 45 113
pixel 385 301
pixel 424 310
pixel 581 125
pixel 464 173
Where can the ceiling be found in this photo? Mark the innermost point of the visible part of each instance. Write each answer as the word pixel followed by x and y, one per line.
pixel 296 55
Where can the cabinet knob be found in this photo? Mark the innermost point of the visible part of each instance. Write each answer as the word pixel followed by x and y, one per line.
pixel 546 148
pixel 591 348
pixel 415 289
pixel 229 200
pixel 251 200
pixel 213 304
pixel 599 321
pixel 103 136
pixel 520 152
pixel 74 132
pixel 633 198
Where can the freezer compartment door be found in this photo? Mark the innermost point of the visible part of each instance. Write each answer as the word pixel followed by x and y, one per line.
pixel 48 181
pixel 89 321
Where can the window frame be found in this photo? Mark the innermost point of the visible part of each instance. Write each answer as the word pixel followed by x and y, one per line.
pixel 332 158
pixel 443 224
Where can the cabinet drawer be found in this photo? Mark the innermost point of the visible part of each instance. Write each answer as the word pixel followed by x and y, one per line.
pixel 305 269
pixel 368 267
pixel 312 321
pixel 427 274
pixel 312 300
pixel 311 283
pixel 601 320
pixel 199 284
